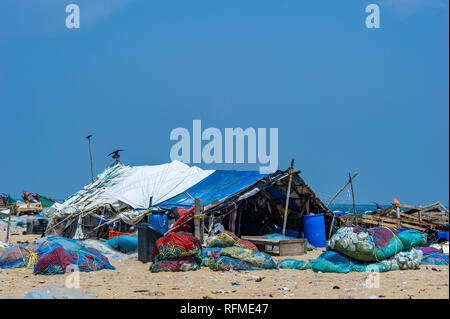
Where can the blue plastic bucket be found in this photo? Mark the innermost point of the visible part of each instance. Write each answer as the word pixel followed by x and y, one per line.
pixel 442 234
pixel 159 221
pixel 314 229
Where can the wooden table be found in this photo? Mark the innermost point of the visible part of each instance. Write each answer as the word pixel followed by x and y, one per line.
pixel 287 247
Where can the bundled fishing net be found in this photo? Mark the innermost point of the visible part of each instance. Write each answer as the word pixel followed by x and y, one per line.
pixel 433 256
pixel 177 245
pixel 89 259
pixel 107 251
pixel 333 261
pixel 66 243
pixel 124 243
pixel 175 264
pixel 225 263
pixel 228 239
pixel 56 261
pixel 53 262
pixel 291 263
pixel 258 259
pixel 209 255
pixel 375 244
pixel 410 259
pixel 51 257
pixel 246 244
pixel 46 246
pixel 224 239
pixel 18 256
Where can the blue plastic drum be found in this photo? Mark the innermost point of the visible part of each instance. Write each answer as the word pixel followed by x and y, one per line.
pixel 159 221
pixel 314 229
pixel 442 234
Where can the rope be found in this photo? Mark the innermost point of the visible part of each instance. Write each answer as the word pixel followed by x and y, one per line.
pixel 375 247
pixel 159 220
pixel 32 260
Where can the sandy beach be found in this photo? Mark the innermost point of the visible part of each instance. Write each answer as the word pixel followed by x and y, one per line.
pixel 132 279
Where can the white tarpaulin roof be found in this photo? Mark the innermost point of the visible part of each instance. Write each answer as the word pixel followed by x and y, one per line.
pixel 137 185
pixel 122 185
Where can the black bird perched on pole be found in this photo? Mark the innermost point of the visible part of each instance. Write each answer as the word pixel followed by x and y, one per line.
pixel 116 156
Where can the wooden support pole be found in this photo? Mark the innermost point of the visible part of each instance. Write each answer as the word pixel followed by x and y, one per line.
pixel 397 211
pixel 9 223
pixel 239 224
pixel 232 220
pixel 291 170
pixel 198 228
pixel 202 228
pixel 211 223
pixel 353 193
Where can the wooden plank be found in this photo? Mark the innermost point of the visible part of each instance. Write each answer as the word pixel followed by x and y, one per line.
pixel 291 247
pixel 386 211
pixel 394 222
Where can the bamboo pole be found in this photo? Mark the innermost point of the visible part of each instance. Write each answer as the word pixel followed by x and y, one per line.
pixel 9 223
pixel 341 189
pixel 353 193
pixel 291 170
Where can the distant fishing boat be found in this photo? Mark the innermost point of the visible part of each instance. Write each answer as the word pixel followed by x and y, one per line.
pixel 6 201
pixel 36 198
pixel 45 201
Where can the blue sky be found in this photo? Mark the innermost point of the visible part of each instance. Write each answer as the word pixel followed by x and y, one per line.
pixel 343 97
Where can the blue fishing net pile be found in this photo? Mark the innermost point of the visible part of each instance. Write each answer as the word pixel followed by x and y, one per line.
pixel 53 254
pixel 237 258
pixel 374 244
pixel 124 243
pixel 17 256
pixel 209 256
pixel 291 263
pixel 333 261
pixel 175 264
pixel 433 256
pixel 224 263
pixel 260 260
pixel 226 251
pixel 377 249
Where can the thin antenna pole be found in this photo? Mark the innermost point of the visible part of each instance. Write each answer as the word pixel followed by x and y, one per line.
pixel 90 155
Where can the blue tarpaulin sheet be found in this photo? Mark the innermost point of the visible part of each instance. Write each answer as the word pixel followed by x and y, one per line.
pixel 217 186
